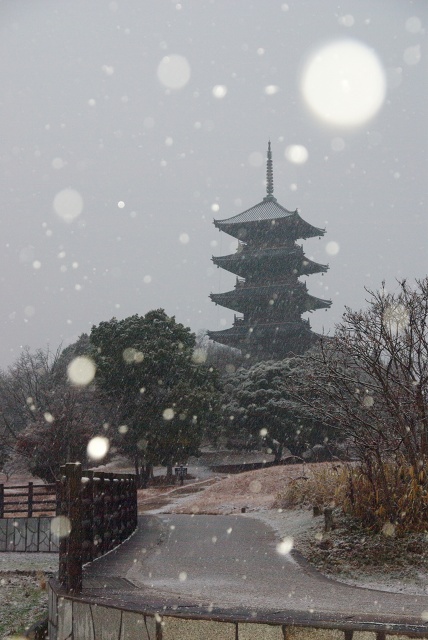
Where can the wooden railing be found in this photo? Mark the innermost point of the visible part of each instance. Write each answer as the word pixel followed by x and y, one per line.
pixel 28 500
pixel 99 512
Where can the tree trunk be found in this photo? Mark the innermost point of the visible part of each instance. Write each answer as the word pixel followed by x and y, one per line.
pixel 137 472
pixel 278 454
pixel 169 470
pixel 145 475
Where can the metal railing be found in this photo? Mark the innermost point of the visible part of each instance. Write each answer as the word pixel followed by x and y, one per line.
pixel 99 511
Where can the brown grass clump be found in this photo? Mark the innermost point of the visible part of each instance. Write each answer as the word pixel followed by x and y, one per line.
pixel 391 498
pixel 319 486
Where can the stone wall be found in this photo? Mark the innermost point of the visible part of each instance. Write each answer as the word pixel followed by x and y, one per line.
pixel 75 619
pixel 27 534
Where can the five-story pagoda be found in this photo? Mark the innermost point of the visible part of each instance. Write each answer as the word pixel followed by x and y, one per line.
pixel 268 293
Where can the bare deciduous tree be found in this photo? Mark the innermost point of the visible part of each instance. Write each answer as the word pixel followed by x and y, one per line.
pixel 370 381
pixel 43 417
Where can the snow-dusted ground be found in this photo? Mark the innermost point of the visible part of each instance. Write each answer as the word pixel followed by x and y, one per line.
pixel 256 492
pixel 302 527
pixel 15 561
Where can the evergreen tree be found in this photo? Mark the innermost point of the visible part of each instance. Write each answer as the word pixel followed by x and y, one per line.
pixel 164 400
pixel 258 410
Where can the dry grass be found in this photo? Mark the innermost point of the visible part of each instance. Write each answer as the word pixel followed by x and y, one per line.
pixel 253 490
pixel 395 497
pixel 320 486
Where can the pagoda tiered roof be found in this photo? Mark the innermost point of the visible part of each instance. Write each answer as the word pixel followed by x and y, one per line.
pixel 246 297
pixel 281 258
pixel 268 216
pixel 243 330
pixel 274 339
pixel 271 298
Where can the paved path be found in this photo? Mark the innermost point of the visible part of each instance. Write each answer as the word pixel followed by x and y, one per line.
pixel 230 562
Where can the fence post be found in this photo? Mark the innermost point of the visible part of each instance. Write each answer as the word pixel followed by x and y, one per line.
pixel 132 503
pixel 61 510
pixel 73 564
pixel 111 504
pixel 88 517
pixel 1 500
pixel 30 499
pixel 58 494
pixel 99 513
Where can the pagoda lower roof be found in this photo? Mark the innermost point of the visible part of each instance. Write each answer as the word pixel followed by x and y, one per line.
pixel 268 211
pixel 235 262
pixel 247 297
pixel 269 341
pixel 243 331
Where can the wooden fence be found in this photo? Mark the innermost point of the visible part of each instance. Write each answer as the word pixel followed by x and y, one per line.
pixel 99 511
pixel 28 500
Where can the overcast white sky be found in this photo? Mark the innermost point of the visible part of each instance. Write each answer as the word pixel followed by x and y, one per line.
pixel 95 100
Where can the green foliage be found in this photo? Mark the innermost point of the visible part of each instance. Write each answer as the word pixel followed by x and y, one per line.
pixel 164 401
pixel 259 410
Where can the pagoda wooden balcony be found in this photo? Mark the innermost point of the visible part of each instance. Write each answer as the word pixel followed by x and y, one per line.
pixel 288 281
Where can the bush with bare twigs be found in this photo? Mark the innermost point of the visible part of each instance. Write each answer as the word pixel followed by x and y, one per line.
pixel 320 487
pixel 370 383
pixel 405 506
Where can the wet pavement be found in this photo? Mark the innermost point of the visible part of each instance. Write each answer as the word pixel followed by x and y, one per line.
pixel 231 564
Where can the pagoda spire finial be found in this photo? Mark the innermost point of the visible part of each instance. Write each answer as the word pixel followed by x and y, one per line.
pixel 269 175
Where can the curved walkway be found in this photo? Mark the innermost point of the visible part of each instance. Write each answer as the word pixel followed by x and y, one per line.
pixel 227 566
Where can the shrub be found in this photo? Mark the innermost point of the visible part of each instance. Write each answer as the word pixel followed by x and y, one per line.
pixel 359 491
pixel 402 507
pixel 320 486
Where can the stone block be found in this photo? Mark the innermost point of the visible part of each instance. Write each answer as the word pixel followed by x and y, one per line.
pixel 83 625
pixel 151 627
pixel 179 629
pixel 312 633
pixel 52 635
pixel 248 631
pixel 107 622
pixel 52 606
pixel 136 626
pixel 390 636
pixel 65 619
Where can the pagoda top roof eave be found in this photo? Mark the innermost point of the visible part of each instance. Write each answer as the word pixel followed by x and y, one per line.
pixel 264 212
pixel 268 209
